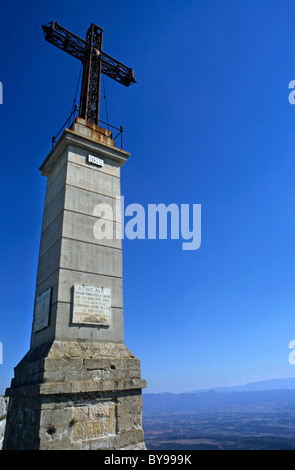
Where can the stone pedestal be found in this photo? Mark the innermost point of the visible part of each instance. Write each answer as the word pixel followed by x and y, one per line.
pixel 79 386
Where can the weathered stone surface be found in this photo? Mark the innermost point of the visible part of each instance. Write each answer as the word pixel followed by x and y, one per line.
pixel 76 395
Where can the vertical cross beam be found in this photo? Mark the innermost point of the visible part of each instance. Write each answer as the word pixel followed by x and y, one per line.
pixel 90 91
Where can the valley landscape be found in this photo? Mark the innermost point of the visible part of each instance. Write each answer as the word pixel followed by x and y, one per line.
pixel 258 416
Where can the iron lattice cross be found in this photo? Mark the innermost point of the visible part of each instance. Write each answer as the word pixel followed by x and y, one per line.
pixel 95 62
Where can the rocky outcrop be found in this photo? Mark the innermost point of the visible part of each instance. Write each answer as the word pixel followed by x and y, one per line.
pixel 3 412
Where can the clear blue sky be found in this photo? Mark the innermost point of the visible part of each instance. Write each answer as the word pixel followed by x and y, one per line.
pixel 209 122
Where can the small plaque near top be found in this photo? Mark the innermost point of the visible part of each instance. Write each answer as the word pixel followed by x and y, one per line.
pixel 95 160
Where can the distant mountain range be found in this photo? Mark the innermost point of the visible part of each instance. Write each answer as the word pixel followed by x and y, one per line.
pixel 268 394
pixel 273 384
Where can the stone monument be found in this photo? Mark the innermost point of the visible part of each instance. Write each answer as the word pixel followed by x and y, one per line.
pixel 78 387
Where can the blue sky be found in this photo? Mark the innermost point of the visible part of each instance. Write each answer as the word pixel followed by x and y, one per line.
pixel 209 122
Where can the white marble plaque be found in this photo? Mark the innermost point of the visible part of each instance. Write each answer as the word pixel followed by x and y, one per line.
pixel 95 160
pixel 42 310
pixel 92 305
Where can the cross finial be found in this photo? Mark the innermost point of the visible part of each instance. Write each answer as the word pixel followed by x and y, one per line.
pixel 94 61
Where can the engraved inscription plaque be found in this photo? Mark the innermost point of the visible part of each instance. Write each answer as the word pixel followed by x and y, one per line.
pixel 42 310
pixel 92 305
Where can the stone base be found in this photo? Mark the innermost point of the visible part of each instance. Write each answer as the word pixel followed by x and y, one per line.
pixel 76 396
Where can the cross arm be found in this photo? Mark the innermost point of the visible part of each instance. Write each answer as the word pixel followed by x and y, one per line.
pixel 117 71
pixel 65 40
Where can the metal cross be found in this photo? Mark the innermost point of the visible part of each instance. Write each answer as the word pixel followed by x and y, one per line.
pixel 94 62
